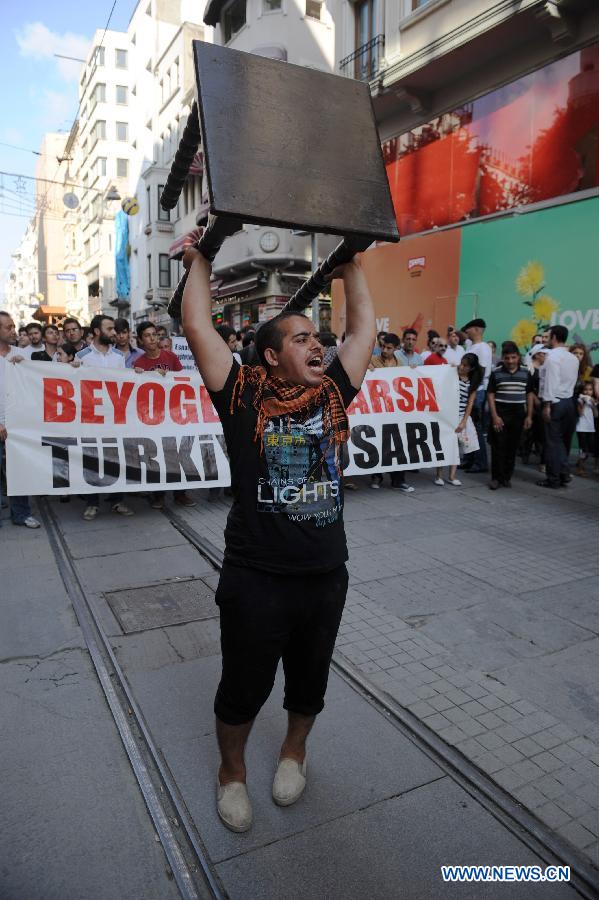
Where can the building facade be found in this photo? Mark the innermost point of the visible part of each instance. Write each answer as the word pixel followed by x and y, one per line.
pixel 22 287
pixel 489 119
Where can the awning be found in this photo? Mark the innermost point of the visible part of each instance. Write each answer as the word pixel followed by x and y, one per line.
pixel 233 288
pixel 43 313
pixel 177 248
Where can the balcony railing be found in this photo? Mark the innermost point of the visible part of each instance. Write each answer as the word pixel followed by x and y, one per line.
pixel 365 62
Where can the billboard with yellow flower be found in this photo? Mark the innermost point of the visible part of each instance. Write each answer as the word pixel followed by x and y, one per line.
pixel 525 272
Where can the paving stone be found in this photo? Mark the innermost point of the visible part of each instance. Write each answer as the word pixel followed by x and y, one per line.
pixel 530 796
pixel 456 715
pixel 566 754
pixel 440 703
pixel 509 714
pixel 550 787
pixel 527 746
pixel 490 720
pixel 490 763
pixel 436 721
pixel 453 735
pixel 491 740
pixel 491 702
pixel 573 805
pixel 584 746
pixel 458 697
pixel 471 727
pixel 590 821
pixel 528 770
pixel 508 754
pixel 547 761
pixel 473 708
pixel 422 709
pixel 509 733
pixel 552 815
pixel 547 739
pixel 509 779
pixel 577 835
pixel 475 691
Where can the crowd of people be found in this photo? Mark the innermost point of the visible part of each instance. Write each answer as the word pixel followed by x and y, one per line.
pixel 517 404
pixel 531 404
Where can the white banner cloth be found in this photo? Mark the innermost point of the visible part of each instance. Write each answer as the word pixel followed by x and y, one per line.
pixel 81 431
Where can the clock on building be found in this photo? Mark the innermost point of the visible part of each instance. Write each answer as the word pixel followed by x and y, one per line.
pixel 269 241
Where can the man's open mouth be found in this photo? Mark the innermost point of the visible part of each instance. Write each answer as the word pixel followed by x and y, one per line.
pixel 315 362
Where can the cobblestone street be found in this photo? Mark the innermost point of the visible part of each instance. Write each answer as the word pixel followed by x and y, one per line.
pixel 477 611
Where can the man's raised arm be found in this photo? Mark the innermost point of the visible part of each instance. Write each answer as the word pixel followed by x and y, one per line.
pixel 213 357
pixel 360 332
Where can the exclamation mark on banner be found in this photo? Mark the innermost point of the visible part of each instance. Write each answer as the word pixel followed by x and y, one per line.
pixel 435 434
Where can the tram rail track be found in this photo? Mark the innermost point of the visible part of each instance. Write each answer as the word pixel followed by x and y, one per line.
pixel 187 857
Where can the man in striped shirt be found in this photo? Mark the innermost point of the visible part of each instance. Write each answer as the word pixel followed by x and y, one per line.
pixel 510 384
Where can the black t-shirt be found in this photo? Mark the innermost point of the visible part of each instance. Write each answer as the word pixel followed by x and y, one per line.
pixel 287 513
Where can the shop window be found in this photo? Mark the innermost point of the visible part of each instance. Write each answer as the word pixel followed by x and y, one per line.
pixel 164 270
pixel 233 19
pixel 164 215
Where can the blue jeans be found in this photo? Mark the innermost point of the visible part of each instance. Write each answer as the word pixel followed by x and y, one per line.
pixel 20 508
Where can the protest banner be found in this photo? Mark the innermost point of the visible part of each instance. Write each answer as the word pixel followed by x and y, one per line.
pixel 181 349
pixel 79 431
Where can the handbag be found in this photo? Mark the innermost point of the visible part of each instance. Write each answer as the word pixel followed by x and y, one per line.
pixel 468 438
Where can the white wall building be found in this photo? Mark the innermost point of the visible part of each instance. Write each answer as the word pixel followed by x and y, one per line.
pixel 161 34
pixel 22 287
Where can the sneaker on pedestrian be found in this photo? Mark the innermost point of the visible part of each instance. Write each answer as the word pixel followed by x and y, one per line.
pixel 233 806
pixel 157 502
pixel 493 485
pixel 29 522
pixel 90 513
pixel 404 488
pixel 376 482
pixel 122 509
pixel 289 782
pixel 455 481
pixel 439 481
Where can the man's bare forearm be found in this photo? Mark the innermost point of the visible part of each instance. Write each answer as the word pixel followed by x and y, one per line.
pixel 211 353
pixel 360 325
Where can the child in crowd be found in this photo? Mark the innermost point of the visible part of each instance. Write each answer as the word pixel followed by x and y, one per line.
pixel 470 374
pixel 66 354
pixel 585 426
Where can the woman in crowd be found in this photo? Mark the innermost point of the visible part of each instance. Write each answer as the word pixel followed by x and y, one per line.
pixel 585 366
pixel 470 374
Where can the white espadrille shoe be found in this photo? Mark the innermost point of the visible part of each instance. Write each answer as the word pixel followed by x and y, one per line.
pixel 290 781
pixel 233 806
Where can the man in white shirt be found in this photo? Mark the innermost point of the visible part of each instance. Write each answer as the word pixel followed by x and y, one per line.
pixel 101 354
pixel 20 508
pixel 559 410
pixel 454 352
pixel 474 331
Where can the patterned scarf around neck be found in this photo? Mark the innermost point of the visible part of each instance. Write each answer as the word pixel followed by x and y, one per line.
pixel 277 397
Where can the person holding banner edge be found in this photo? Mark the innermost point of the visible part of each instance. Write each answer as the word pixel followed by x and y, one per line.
pixel 283 583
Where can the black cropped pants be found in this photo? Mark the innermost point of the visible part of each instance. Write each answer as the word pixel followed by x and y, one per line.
pixel 266 617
